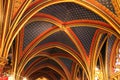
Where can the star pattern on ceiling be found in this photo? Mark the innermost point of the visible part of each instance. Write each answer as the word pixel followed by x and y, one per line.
pixel 62 37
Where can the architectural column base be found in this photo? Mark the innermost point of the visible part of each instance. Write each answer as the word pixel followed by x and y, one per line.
pixel 3 61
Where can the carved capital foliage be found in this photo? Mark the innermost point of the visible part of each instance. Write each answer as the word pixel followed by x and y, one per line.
pixel 3 61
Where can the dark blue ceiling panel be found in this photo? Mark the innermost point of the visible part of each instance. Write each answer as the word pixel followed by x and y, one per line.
pixel 85 35
pixel 31 61
pixel 102 38
pixel 57 76
pixel 67 62
pixel 111 41
pixel 55 50
pixel 79 73
pixel 107 4
pixel 70 11
pixel 61 37
pixel 32 30
pixel 50 61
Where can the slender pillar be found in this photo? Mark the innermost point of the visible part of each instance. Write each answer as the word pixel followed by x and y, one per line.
pixel 1 21
pixel 1 16
pixel 83 75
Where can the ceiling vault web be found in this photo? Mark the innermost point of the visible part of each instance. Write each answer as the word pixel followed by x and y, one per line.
pixel 59 39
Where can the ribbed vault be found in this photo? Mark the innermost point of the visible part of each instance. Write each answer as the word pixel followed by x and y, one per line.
pixel 64 39
pixel 70 25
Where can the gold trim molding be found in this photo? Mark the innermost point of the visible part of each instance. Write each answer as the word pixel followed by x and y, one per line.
pixel 116 4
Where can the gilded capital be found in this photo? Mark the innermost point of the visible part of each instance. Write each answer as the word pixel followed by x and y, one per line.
pixel 3 61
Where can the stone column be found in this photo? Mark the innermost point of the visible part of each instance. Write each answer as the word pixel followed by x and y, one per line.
pixel 1 16
pixel 83 74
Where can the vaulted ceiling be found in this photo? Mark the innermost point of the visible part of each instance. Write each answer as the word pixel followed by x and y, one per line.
pixel 63 38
